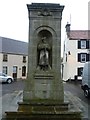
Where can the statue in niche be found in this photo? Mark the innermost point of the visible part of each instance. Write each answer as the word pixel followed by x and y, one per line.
pixel 44 49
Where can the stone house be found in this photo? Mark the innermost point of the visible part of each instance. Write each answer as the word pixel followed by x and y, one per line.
pixel 13 57
pixel 75 53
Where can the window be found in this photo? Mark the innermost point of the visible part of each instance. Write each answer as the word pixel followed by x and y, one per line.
pixel 5 69
pixel 83 57
pixel 79 71
pixel 83 44
pixel 24 71
pixel 24 59
pixel 88 44
pixel 5 57
pixel 14 69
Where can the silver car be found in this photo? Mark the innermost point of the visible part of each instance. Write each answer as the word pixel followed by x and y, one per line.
pixel 5 78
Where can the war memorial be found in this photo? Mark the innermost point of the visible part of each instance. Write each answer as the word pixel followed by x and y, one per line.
pixel 43 96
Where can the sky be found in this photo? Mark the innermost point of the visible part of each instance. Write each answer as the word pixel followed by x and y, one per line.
pixel 14 20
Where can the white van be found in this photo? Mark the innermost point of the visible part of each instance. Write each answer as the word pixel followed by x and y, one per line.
pixel 86 79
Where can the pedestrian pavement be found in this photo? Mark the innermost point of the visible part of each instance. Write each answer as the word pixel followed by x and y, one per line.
pixel 9 103
pixel 76 102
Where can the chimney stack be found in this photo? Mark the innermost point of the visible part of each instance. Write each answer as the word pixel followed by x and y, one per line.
pixel 68 29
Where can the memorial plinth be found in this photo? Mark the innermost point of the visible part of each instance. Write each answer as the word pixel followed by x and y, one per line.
pixel 43 96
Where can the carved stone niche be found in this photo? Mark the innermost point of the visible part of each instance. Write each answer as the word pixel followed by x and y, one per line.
pixel 44 50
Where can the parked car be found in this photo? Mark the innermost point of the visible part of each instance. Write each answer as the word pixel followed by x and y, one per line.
pixel 86 79
pixel 5 78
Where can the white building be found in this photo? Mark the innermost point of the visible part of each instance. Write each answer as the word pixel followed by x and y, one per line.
pixel 13 57
pixel 75 53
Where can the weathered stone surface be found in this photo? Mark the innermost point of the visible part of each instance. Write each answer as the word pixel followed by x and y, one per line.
pixel 43 97
pixel 44 82
pixel 44 116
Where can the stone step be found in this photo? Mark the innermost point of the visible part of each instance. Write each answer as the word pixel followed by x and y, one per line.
pixel 42 106
pixel 43 116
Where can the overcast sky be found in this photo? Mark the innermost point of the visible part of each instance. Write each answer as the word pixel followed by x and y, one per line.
pixel 14 17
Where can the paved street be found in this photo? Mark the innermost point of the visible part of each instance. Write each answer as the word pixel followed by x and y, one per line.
pixel 15 86
pixel 77 92
pixel 75 89
pixel 10 93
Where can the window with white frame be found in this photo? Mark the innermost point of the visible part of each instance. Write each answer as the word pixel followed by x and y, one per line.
pixel 5 69
pixel 83 44
pixel 83 57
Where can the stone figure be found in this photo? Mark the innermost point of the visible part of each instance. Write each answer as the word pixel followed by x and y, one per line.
pixel 43 60
pixel 44 54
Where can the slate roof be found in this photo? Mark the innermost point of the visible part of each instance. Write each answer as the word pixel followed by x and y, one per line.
pixel 79 34
pixel 12 46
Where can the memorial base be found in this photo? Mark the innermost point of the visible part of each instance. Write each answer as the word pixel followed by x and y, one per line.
pixel 43 111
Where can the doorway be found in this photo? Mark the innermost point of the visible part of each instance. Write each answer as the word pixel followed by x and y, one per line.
pixel 15 72
pixel 24 71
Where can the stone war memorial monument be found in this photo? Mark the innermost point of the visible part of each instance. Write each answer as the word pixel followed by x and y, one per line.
pixel 43 96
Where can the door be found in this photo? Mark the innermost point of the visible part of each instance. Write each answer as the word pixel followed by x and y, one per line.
pixel 24 71
pixel 15 72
